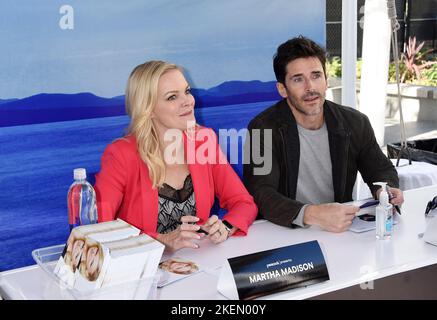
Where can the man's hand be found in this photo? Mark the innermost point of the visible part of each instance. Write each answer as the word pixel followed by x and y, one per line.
pixel 333 217
pixel 396 196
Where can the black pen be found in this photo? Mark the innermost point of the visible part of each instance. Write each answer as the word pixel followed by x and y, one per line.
pixel 198 231
pixel 202 231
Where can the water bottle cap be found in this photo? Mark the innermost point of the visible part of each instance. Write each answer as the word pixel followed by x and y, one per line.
pixel 79 174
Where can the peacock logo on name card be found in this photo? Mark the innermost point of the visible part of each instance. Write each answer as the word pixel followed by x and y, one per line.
pixel 257 274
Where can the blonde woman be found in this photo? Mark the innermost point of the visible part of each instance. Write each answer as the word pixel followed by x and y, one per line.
pixel 92 260
pixel 163 176
pixel 74 250
pixel 179 266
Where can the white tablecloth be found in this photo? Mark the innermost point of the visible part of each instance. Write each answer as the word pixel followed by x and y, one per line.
pixel 416 175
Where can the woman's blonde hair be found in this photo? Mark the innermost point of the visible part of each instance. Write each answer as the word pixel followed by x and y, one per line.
pixel 141 98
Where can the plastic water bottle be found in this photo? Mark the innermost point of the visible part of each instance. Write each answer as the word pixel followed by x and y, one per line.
pixel 81 201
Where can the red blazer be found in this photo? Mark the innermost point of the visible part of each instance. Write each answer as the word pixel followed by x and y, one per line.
pixel 124 189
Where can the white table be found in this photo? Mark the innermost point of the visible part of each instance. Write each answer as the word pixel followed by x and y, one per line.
pixel 351 258
pixel 416 175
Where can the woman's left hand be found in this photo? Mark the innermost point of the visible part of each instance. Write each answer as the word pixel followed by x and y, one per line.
pixel 217 232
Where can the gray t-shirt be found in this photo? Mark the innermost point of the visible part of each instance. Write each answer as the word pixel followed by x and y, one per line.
pixel 314 182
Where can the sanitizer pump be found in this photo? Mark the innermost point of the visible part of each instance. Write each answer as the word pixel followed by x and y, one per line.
pixel 384 214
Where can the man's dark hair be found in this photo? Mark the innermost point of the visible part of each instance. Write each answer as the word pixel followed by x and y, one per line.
pixel 299 47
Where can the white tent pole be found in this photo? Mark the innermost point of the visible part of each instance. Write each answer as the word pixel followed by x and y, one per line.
pixel 374 70
pixel 348 52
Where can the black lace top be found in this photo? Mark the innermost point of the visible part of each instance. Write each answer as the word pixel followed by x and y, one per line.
pixel 173 204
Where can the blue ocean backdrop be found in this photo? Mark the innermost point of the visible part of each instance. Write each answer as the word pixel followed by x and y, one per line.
pixel 64 68
pixel 37 160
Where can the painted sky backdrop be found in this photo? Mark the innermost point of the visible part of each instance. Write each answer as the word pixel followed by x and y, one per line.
pixel 59 124
pixel 215 41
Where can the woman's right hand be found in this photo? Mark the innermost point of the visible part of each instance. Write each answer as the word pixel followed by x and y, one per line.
pixel 183 236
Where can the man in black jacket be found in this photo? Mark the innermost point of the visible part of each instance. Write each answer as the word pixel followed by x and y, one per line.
pixel 314 147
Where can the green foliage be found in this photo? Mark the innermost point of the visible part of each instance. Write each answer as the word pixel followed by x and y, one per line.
pixel 359 64
pixel 392 71
pixel 430 75
pixel 333 67
pixel 416 66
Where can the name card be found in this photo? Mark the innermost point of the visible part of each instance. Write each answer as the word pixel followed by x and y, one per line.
pixel 262 273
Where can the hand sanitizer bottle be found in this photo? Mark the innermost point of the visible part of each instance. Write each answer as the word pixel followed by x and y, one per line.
pixel 384 214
